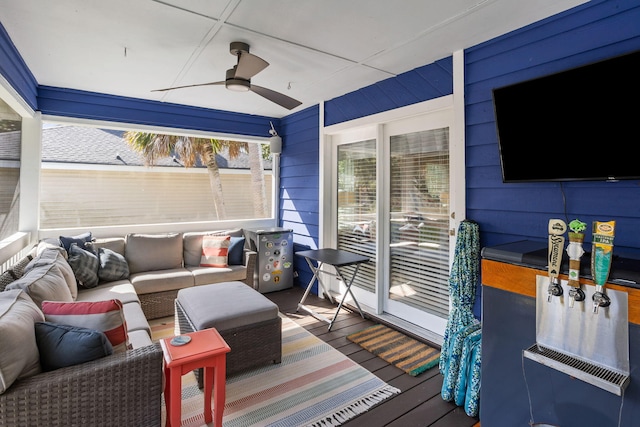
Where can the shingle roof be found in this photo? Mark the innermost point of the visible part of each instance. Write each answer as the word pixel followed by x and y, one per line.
pixel 88 145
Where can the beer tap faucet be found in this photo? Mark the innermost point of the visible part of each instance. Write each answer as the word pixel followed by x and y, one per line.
pixel 575 251
pixel 601 258
pixel 557 228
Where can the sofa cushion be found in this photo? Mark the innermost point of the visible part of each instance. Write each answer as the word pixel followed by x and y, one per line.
pixel 225 306
pixel 150 252
pixel 116 244
pixel 105 316
pixel 215 251
pixel 58 256
pixel 44 283
pixel 236 251
pixel 208 275
pixel 64 345
pixel 121 290
pixel 162 280
pixel 19 356
pixel 192 242
pixel 113 266
pixel 80 240
pixel 84 265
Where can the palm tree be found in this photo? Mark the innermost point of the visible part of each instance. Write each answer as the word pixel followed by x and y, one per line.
pixel 156 146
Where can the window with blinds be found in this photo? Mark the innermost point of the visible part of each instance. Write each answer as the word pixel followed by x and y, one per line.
pixel 419 223
pixel 357 207
pixel 10 147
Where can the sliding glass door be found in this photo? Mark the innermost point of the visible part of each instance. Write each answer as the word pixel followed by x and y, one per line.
pixel 392 204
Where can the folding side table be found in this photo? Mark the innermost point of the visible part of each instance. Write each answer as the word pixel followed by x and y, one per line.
pixel 338 259
pixel 208 350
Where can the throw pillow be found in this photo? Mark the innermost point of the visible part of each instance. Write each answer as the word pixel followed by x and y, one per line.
pixel 64 345
pixel 84 265
pixel 80 240
pixel 236 250
pixel 104 316
pixel 215 250
pixel 113 266
pixel 19 356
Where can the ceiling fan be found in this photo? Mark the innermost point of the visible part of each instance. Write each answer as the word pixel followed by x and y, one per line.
pixel 239 77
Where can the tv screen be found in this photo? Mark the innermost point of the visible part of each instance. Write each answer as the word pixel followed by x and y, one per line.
pixel 579 124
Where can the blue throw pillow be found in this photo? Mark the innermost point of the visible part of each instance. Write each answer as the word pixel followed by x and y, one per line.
pixel 236 250
pixel 80 240
pixel 64 345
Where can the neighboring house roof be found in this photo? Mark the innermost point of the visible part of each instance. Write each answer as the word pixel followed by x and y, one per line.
pixel 88 145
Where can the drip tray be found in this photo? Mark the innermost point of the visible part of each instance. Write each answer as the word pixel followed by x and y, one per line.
pixel 597 375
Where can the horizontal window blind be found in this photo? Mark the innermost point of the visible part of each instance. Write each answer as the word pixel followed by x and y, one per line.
pixel 419 221
pixel 86 198
pixel 357 207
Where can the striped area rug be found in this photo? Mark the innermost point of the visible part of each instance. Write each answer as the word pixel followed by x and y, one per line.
pixel 408 354
pixel 315 385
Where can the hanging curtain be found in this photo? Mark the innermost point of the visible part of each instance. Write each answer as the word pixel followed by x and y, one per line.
pixel 459 351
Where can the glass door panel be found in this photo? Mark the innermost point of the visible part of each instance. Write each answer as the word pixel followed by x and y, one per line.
pixel 419 221
pixel 357 208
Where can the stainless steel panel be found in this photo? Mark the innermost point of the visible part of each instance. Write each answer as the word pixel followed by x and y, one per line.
pixel 602 338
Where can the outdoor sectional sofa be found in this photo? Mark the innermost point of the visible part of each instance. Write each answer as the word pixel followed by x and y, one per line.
pixel 123 388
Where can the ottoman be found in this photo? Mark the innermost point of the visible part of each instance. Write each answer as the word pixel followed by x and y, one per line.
pixel 247 320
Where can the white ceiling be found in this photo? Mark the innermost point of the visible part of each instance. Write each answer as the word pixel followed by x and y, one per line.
pixel 317 50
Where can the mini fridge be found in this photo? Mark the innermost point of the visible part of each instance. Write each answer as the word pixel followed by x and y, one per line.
pixel 274 265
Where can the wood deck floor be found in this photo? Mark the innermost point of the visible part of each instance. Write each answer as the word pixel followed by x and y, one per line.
pixel 418 405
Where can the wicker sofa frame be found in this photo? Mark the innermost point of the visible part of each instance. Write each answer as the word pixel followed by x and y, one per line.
pixel 124 389
pixel 251 345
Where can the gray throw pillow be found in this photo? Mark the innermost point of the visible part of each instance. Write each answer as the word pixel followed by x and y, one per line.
pixel 64 345
pixel 113 266
pixel 84 265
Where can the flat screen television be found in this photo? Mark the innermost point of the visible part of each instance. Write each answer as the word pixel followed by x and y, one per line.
pixel 579 124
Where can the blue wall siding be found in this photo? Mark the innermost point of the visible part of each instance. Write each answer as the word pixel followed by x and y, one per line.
pixel 299 183
pixel 97 106
pixel 15 71
pixel 509 212
pixel 421 84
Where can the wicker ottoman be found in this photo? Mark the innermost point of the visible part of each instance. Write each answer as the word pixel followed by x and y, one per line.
pixel 247 320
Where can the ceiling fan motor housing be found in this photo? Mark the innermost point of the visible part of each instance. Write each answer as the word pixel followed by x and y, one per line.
pixel 236 84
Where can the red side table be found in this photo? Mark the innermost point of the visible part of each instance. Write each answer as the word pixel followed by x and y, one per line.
pixel 206 350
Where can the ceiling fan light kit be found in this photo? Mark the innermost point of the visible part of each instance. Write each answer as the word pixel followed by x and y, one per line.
pixel 238 78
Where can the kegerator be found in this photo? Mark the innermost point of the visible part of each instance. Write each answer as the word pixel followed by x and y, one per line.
pixel 274 264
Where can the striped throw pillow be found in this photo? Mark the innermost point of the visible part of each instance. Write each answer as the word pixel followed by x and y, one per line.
pixel 215 251
pixel 104 316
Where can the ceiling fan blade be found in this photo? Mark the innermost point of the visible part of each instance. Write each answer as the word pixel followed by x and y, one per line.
pixel 277 97
pixel 182 87
pixel 249 65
